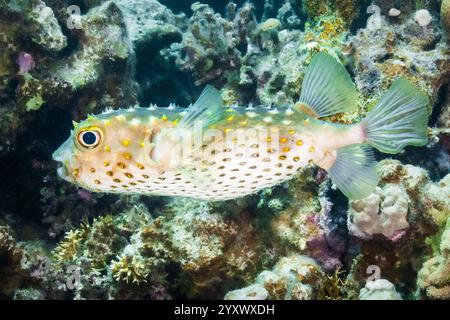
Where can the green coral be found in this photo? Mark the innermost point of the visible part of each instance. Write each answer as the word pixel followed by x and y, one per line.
pixel 34 103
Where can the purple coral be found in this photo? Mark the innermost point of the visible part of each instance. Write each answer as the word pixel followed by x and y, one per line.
pixel 26 62
pixel 321 251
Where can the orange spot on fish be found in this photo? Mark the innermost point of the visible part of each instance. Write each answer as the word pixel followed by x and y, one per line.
pixel 140 166
pixel 127 156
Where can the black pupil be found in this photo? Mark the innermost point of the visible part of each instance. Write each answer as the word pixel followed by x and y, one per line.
pixel 89 138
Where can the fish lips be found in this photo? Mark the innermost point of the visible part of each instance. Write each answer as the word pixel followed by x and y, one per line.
pixel 64 155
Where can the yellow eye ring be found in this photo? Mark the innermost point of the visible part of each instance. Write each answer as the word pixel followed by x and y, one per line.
pixel 90 138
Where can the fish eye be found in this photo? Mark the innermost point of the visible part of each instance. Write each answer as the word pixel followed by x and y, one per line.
pixel 89 138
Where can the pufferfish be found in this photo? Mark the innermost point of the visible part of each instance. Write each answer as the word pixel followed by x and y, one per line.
pixel 211 152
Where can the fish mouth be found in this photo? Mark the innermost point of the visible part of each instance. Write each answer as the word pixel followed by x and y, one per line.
pixel 63 155
pixel 63 173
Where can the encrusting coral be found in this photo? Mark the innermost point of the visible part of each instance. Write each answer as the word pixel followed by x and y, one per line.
pixel 445 17
pixel 383 212
pixel 434 276
pixel 380 289
pixel 294 277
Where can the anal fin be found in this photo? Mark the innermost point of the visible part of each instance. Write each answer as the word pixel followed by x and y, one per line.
pixel 354 171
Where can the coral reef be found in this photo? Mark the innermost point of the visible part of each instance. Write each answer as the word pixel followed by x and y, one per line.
pixel 384 51
pixel 445 17
pixel 380 289
pixel 295 278
pixel 433 278
pixel 400 253
pixel 383 212
pixel 300 240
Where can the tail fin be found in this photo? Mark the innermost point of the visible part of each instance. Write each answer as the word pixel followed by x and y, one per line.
pixel 398 120
pixel 354 171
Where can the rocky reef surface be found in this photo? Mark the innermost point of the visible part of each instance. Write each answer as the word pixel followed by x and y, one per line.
pixel 61 60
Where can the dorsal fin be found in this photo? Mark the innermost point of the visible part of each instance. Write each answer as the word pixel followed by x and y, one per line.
pixel 207 110
pixel 327 88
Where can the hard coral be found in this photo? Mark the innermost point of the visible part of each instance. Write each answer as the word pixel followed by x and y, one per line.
pixel 348 10
pixel 380 289
pixel 434 276
pixel 445 18
pixel 383 51
pixel 383 212
pixel 210 44
pixel 294 277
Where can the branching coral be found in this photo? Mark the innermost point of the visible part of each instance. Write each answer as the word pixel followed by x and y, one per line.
pixel 92 245
pixel 130 269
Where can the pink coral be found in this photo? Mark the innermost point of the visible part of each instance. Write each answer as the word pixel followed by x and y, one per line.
pixel 25 62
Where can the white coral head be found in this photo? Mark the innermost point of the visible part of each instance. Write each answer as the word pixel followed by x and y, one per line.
pixel 423 17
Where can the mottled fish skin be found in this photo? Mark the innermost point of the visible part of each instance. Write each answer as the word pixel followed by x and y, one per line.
pixel 280 141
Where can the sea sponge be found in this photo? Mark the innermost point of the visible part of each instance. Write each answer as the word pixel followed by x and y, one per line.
pixel 445 18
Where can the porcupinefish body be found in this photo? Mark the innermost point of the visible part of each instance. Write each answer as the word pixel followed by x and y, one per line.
pixel 211 152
